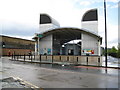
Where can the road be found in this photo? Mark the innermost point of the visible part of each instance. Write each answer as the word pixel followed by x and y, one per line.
pixel 112 62
pixel 56 76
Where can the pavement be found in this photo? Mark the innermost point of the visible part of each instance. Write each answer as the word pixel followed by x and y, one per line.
pixel 58 76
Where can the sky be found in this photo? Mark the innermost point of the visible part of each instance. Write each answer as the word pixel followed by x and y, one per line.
pixel 20 18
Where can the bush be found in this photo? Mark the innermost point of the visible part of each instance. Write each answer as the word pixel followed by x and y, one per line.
pixel 113 54
pixel 118 52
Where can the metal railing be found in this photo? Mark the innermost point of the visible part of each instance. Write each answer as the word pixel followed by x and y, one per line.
pixel 60 59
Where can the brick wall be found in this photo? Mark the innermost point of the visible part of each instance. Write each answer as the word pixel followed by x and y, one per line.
pixel 16 45
pixel 6 51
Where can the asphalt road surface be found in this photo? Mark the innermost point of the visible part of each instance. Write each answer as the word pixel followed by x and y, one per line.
pixel 57 76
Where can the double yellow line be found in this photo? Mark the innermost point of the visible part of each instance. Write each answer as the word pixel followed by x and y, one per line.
pixel 26 83
pixel 23 81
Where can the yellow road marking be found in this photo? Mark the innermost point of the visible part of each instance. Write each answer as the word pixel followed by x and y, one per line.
pixel 25 82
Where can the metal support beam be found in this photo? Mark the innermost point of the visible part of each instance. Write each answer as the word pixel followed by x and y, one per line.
pixel 38 46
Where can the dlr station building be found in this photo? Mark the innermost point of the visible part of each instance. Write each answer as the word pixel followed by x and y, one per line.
pixel 55 40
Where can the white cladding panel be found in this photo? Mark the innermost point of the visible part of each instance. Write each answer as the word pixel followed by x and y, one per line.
pixel 46 27
pixel 45 46
pixel 91 26
pixel 90 42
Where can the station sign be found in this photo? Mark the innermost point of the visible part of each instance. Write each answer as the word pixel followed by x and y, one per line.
pixel 40 35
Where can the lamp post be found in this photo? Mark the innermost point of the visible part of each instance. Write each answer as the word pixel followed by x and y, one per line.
pixel 105 34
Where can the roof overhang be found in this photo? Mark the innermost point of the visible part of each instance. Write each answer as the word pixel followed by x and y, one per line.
pixel 71 32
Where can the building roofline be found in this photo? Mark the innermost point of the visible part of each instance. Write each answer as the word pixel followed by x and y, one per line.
pixel 44 34
pixel 16 38
pixel 52 20
pixel 87 15
pixel 74 28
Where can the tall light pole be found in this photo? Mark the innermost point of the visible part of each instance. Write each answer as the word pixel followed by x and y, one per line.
pixel 105 34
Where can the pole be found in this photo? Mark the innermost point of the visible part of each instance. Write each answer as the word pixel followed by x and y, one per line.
pixel 105 34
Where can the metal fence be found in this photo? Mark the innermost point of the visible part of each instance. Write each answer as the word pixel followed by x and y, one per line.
pixel 60 59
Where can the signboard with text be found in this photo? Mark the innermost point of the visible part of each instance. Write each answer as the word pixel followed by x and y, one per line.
pixel 88 51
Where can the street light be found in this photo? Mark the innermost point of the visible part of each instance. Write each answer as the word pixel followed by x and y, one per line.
pixel 105 34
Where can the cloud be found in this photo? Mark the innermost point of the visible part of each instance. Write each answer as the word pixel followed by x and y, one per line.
pixel 113 1
pixel 112 31
pixel 114 6
pixel 85 3
pixel 89 2
pixel 112 34
pixel 15 29
pixel 21 17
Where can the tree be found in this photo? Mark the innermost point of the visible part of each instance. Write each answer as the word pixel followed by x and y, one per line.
pixel 118 52
pixel 112 52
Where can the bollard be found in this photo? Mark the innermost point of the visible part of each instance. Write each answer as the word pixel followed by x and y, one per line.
pixel 77 59
pixel 87 60
pixel 46 57
pixel 20 56
pixel 68 58
pixel 34 56
pixel 98 59
pixel 17 57
pixel 40 58
pixel 12 56
pixel 31 57
pixel 24 57
pixel 52 59
pixel 60 58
